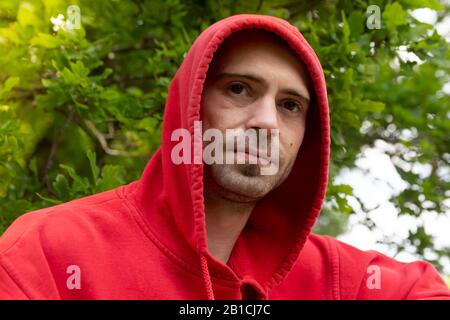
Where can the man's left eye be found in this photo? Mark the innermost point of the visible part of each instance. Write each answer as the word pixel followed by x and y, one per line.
pixel 291 106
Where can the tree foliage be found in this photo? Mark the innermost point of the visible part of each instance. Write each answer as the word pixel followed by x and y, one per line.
pixel 81 109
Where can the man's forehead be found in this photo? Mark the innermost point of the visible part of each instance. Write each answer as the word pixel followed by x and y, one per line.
pixel 254 38
pixel 239 50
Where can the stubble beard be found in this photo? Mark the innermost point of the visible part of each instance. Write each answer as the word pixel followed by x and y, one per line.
pixel 242 183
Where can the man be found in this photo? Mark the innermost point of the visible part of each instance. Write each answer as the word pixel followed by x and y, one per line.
pixel 216 230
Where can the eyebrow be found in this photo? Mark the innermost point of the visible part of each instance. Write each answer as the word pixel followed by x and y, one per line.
pixel 255 78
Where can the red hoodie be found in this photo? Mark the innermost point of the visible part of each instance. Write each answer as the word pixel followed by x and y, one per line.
pixel 147 239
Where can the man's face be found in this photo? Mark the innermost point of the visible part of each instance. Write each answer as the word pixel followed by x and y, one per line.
pixel 255 82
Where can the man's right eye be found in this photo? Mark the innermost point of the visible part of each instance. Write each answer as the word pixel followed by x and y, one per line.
pixel 237 88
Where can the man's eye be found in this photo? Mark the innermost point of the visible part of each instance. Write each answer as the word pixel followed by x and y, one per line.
pixel 237 88
pixel 291 106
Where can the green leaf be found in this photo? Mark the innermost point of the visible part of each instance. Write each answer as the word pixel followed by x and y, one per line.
pixel 80 184
pixel 415 4
pixel 369 105
pixel 28 14
pixel 78 75
pixel 343 188
pixel 52 201
pixel 345 29
pixel 61 187
pixel 112 176
pixel 9 84
pixel 92 162
pixel 395 16
pixel 32 165
pixel 356 22
pixel 45 40
pixel 79 69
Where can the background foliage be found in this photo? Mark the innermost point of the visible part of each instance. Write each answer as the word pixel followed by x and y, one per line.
pixel 81 110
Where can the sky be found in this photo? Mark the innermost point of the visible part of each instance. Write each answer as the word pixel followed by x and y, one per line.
pixel 375 180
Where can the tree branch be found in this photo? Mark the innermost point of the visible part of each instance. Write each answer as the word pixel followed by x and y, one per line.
pixel 102 140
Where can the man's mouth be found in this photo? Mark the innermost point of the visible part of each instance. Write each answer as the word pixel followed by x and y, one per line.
pixel 252 157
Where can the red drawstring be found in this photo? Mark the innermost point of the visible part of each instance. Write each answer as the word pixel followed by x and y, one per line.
pixel 206 277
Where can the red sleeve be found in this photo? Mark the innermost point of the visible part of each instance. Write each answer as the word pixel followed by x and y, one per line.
pixel 24 269
pixel 426 282
pixel 372 275
pixel 9 289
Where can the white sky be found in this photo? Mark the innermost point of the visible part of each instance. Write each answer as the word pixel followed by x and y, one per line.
pixel 376 179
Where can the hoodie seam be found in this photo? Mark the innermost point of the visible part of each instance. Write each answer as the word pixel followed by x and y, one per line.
pixel 160 245
pixel 151 235
pixel 13 279
pixel 334 275
pixel 291 258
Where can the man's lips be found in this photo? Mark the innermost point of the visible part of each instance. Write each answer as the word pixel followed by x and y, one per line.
pixel 252 157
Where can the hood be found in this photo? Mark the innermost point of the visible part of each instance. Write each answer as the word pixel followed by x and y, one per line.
pixel 170 196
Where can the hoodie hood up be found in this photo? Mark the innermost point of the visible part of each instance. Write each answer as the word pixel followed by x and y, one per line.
pixel 170 196
pixel 147 239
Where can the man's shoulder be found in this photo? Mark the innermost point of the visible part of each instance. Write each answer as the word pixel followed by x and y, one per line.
pixel 39 246
pixel 63 220
pixel 347 253
pixel 336 248
pixel 350 258
pixel 369 274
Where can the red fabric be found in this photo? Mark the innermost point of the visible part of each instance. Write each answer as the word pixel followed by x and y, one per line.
pixel 147 240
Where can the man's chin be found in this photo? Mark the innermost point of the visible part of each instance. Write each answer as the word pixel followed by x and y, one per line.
pixel 239 182
pixel 248 170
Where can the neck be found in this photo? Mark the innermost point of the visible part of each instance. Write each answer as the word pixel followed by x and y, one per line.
pixel 225 220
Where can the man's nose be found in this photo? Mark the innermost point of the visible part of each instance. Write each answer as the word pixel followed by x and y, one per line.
pixel 263 114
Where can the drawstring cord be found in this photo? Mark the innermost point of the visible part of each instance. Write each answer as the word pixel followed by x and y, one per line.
pixel 206 277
